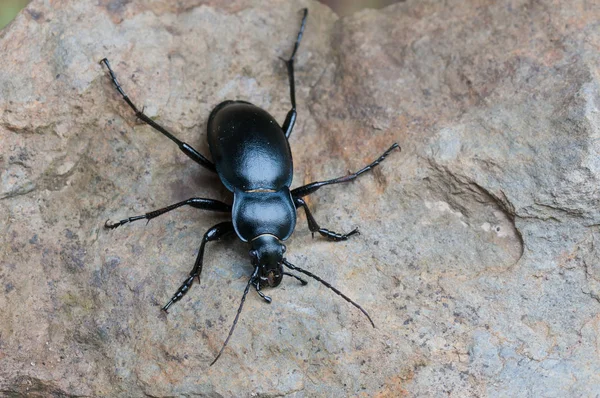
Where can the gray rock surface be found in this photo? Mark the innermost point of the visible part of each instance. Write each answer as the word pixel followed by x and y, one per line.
pixel 479 254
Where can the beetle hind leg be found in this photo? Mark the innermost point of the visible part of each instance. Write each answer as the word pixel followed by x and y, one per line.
pixel 290 119
pixel 184 147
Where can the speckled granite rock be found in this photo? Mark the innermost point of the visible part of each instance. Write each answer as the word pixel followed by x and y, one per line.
pixel 478 258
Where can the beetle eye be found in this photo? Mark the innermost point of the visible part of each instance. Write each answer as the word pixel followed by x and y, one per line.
pixel 253 254
pixel 283 248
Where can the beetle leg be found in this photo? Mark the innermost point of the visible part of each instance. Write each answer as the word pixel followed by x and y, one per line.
pixel 199 203
pixel 314 227
pixel 312 187
pixel 213 234
pixel 290 119
pixel 256 284
pixel 185 148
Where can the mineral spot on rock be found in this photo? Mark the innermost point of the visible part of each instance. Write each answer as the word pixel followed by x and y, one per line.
pixel 478 256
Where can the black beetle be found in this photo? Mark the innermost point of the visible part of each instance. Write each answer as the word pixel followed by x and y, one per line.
pixel 252 158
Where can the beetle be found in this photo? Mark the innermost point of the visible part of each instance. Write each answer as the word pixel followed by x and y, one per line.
pixel 252 157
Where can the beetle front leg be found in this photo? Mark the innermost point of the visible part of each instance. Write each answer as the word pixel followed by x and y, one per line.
pixel 256 284
pixel 314 227
pixel 198 203
pixel 213 234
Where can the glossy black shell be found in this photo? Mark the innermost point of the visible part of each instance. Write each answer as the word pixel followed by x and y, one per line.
pixel 254 161
pixel 249 148
pixel 258 213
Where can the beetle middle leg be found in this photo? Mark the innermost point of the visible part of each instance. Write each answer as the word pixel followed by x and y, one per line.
pixel 198 203
pixel 215 233
pixel 314 227
pixel 313 186
pixel 184 147
pixel 290 119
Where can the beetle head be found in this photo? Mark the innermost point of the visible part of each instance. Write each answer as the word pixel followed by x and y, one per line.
pixel 267 254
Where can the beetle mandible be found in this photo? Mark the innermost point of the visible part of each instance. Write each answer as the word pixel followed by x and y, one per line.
pixel 252 157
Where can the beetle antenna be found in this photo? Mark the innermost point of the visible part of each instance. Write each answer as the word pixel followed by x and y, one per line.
pixel 237 316
pixel 304 283
pixel 295 268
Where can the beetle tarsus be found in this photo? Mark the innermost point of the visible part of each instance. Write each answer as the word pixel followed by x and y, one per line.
pixel 183 289
pixel 314 226
pixel 185 148
pixel 198 203
pixel 300 33
pixel 290 119
pixel 125 221
pixel 314 186
pixel 213 234
pixel 109 225
pixel 256 284
pixel 334 236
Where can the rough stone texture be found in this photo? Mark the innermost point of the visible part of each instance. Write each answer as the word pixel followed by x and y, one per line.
pixel 478 258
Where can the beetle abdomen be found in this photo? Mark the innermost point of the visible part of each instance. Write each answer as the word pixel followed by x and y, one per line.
pixel 248 147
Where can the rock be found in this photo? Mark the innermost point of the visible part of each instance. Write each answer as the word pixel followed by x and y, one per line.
pixel 478 258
